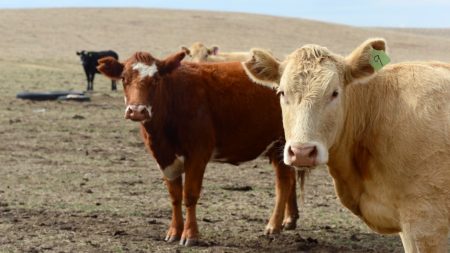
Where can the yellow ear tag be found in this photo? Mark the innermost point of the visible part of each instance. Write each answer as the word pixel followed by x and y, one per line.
pixel 378 59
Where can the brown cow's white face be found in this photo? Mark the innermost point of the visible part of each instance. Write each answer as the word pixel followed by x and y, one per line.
pixel 137 80
pixel 199 52
pixel 140 77
pixel 311 84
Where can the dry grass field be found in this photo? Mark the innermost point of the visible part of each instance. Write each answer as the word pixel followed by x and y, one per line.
pixel 74 177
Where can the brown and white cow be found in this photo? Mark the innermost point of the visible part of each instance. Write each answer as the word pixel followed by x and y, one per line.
pixel 192 114
pixel 385 135
pixel 200 53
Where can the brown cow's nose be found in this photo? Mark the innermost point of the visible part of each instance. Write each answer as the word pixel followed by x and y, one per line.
pixel 137 112
pixel 302 155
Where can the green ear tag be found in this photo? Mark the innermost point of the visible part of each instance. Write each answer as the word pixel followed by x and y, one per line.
pixel 378 59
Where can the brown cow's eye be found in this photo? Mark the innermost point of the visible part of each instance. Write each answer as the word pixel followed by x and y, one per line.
pixel 335 94
pixel 280 93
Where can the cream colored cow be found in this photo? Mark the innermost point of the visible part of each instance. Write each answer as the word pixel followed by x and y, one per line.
pixel 200 53
pixel 385 135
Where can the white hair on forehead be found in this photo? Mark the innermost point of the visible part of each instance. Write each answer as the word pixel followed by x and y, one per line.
pixel 144 69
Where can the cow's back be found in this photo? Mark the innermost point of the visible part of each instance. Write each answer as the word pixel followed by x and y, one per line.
pixel 246 118
pixel 229 57
pixel 416 95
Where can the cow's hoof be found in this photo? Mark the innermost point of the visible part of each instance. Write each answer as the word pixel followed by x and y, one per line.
pixel 188 242
pixel 271 230
pixel 172 238
pixel 289 224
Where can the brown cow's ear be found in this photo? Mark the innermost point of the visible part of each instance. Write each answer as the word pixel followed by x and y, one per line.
pixel 357 65
pixel 263 68
pixel 110 67
pixel 186 50
pixel 170 63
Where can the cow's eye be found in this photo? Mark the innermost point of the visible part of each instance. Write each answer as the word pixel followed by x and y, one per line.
pixel 335 94
pixel 280 93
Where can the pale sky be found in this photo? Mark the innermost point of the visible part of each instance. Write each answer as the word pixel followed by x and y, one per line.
pixel 386 13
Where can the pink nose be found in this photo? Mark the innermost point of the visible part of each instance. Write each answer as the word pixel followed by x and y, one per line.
pixel 136 112
pixel 302 155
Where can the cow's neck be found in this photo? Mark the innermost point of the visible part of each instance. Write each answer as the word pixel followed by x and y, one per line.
pixel 160 103
pixel 159 128
pixel 350 157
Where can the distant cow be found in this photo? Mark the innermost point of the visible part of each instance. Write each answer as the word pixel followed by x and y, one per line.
pixel 200 53
pixel 385 135
pixel 89 59
pixel 192 114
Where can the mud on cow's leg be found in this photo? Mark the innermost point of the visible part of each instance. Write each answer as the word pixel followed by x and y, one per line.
pixel 175 188
pixel 286 201
pixel 191 192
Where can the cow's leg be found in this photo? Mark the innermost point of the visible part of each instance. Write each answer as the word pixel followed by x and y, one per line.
pixel 433 243
pixel 283 188
pixel 113 85
pixel 87 79
pixel 425 228
pixel 92 81
pixel 291 210
pixel 194 170
pixel 175 188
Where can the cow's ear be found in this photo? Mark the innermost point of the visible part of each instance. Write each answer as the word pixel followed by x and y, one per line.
pixel 358 67
pixel 186 50
pixel 170 63
pixel 110 67
pixel 214 50
pixel 263 68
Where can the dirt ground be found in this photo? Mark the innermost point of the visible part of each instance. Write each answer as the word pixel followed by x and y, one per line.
pixel 74 177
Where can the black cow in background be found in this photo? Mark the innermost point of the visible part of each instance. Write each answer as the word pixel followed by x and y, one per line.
pixel 89 59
